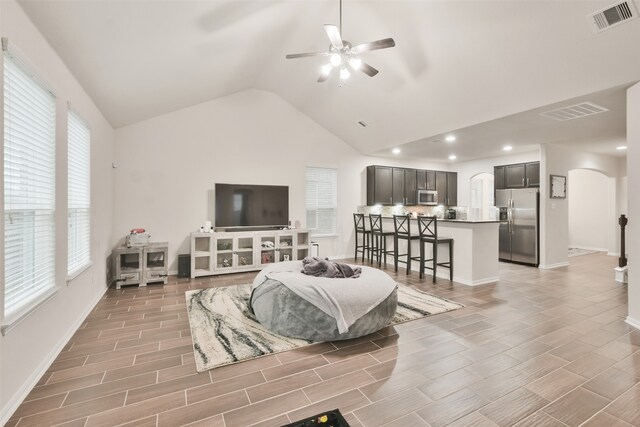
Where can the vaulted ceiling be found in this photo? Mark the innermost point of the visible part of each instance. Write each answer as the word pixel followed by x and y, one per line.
pixel 456 64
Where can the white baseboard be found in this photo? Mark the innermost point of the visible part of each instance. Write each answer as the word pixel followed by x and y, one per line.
pixel 21 394
pixel 552 266
pixel 615 254
pixel 633 322
pixel 475 282
pixel 589 248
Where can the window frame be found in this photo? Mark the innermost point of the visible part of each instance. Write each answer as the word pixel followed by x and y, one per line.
pixel 87 262
pixel 315 231
pixel 12 316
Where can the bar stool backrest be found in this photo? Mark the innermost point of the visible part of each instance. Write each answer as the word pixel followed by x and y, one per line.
pixel 402 225
pixel 376 223
pixel 428 227
pixel 358 221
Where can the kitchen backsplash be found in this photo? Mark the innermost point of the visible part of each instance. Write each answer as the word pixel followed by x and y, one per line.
pixel 438 211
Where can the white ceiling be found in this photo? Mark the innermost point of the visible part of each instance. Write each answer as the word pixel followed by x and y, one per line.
pixel 456 66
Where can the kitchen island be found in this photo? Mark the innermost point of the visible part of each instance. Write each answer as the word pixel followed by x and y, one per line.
pixel 475 249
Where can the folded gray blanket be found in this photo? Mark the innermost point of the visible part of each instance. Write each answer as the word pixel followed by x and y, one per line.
pixel 318 267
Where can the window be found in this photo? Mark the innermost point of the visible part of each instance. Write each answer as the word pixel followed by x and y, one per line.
pixel 322 197
pixel 29 189
pixel 79 203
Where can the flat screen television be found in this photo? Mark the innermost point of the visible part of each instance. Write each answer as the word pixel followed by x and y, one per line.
pixel 251 205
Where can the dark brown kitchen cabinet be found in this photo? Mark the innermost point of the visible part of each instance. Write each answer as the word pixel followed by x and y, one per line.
pixel 379 185
pixel 533 174
pixel 515 176
pixel 498 175
pixel 431 180
pixel 398 186
pixel 441 187
pixel 410 187
pixel 390 186
pixel 421 180
pixel 520 175
pixel 452 189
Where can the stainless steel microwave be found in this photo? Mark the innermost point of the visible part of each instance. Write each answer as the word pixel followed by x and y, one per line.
pixel 427 197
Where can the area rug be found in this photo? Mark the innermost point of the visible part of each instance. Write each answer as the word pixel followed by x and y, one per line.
pixel 578 252
pixel 224 331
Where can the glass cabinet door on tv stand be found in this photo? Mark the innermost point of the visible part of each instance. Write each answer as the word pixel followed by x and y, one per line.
pixel 238 251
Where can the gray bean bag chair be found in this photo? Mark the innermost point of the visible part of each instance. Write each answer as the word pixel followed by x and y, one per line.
pixel 281 310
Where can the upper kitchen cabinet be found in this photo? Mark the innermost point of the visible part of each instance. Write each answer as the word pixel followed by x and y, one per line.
pixel 394 186
pixel 426 180
pixel 533 174
pixel 431 180
pixel 447 188
pixel 379 185
pixel 397 193
pixel 498 178
pixel 520 175
pixel 452 189
pixel 410 186
pixel 421 180
pixel 515 176
pixel 441 187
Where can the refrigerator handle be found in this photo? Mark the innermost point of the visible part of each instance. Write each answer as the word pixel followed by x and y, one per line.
pixel 510 216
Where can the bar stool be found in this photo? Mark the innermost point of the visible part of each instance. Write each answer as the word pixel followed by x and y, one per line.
pixel 428 228
pixel 379 239
pixel 402 226
pixel 358 221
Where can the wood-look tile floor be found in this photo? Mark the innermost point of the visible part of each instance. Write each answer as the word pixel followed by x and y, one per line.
pixel 539 348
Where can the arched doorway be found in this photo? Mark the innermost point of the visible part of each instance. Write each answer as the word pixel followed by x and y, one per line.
pixel 481 197
pixel 592 212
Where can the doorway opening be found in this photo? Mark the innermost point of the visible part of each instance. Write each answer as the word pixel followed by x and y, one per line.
pixel 481 199
pixel 591 201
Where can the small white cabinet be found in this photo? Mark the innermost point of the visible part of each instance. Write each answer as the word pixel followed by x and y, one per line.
pixel 238 251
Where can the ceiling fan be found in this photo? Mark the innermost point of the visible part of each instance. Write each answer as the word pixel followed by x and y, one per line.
pixel 342 55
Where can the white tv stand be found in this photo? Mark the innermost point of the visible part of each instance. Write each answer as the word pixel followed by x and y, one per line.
pixel 238 251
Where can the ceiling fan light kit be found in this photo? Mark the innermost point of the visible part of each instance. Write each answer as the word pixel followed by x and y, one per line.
pixel 342 55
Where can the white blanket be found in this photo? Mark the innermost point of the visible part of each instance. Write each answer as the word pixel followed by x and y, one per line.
pixel 346 300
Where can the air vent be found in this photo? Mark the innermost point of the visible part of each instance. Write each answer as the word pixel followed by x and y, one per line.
pixel 574 111
pixel 363 123
pixel 613 15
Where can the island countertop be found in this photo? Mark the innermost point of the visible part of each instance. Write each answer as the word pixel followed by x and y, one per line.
pixel 462 221
pixel 475 248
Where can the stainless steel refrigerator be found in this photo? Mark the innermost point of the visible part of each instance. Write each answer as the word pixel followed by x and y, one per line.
pixel 518 225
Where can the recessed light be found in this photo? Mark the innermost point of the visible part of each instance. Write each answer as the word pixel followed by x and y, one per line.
pixel 452 157
pixel 450 138
pixel 396 151
pixel 622 147
pixel 507 148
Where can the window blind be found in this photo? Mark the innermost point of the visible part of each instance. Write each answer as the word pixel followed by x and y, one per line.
pixel 29 187
pixel 79 188
pixel 321 200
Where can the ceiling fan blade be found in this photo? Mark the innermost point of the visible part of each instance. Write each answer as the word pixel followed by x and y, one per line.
pixel 368 69
pixel 334 35
pixel 306 54
pixel 323 78
pixel 378 44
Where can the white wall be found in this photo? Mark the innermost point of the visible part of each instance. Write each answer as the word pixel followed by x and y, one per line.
pixel 168 165
pixel 633 230
pixel 27 350
pixel 591 199
pixel 467 170
pixel 554 213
